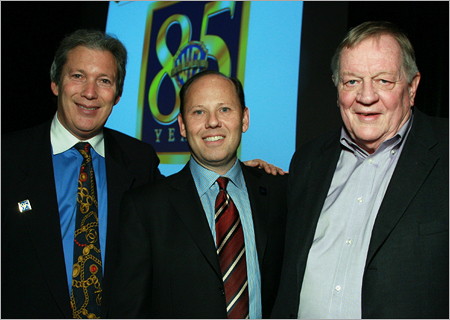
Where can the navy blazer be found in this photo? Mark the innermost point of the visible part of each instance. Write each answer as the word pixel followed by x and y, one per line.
pixel 34 281
pixel 406 272
pixel 168 264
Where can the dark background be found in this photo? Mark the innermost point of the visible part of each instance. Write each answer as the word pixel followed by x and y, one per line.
pixel 31 32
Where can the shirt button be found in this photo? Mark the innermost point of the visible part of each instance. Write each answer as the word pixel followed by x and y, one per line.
pixel 393 151
pixel 348 241
pixel 360 199
pixel 338 288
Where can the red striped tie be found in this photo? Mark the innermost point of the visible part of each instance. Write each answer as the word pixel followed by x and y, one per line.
pixel 231 252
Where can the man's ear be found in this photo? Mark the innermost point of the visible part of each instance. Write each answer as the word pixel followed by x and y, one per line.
pixel 117 100
pixel 412 90
pixel 245 119
pixel 181 125
pixel 54 88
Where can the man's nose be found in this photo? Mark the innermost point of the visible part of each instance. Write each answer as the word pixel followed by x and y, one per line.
pixel 213 120
pixel 367 94
pixel 89 90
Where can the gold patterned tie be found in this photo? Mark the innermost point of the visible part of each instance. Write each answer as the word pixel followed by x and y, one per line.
pixel 86 293
pixel 231 252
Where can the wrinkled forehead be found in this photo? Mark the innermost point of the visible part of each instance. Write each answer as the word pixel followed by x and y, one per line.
pixel 372 53
pixel 381 44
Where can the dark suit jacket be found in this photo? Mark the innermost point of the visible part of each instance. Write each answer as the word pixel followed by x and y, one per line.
pixel 168 262
pixel 34 282
pixel 406 272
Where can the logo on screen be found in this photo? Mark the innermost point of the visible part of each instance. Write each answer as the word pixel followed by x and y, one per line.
pixel 182 39
pixel 188 61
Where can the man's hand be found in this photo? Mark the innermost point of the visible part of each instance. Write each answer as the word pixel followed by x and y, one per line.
pixel 269 168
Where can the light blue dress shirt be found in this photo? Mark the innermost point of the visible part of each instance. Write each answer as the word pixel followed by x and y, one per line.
pixel 205 181
pixel 332 283
pixel 66 167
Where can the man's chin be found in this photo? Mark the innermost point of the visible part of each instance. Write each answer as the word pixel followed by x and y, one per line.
pixel 215 163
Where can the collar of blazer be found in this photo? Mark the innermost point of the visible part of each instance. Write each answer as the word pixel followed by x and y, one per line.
pixel 187 207
pixel 419 157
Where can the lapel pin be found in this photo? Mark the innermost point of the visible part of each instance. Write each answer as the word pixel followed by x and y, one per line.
pixel 24 205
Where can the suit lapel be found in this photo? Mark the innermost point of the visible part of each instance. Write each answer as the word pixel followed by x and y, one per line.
pixel 319 173
pixel 119 180
pixel 257 193
pixel 43 221
pixel 308 185
pixel 414 165
pixel 189 208
pixel 193 216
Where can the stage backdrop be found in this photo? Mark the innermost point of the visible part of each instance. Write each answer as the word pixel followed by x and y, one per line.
pixel 168 42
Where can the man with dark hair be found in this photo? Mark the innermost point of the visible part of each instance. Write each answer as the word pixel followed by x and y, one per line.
pixel 367 226
pixel 207 242
pixel 62 185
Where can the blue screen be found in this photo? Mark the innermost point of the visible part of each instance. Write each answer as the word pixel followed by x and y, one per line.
pixel 268 54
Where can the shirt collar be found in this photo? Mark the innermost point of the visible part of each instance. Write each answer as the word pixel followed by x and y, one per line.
pixel 205 178
pixel 62 140
pixel 390 144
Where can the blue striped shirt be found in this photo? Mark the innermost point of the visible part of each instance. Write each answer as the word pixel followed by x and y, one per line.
pixel 205 181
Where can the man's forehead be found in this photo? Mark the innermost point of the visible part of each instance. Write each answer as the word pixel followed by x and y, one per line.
pixel 383 43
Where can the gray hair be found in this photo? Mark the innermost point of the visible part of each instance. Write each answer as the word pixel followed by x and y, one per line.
pixel 376 29
pixel 91 39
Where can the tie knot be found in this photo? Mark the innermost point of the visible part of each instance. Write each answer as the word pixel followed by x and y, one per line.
pixel 83 148
pixel 222 181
